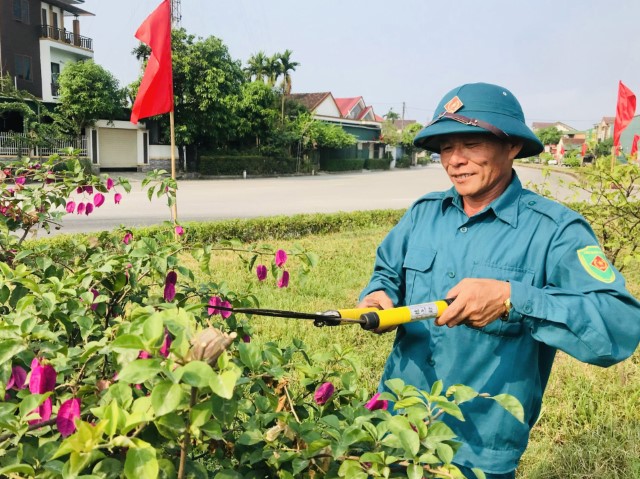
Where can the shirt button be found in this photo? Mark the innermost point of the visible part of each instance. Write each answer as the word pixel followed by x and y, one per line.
pixel 531 203
pixel 463 229
pixel 431 362
pixel 451 274
pixel 527 308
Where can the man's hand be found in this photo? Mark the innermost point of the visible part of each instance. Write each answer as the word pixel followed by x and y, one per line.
pixel 380 300
pixel 478 302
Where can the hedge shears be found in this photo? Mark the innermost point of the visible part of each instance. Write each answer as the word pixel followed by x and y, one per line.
pixel 367 318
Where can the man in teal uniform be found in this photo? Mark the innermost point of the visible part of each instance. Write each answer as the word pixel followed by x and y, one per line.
pixel 527 275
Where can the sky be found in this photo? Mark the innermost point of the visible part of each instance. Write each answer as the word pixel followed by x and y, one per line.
pixel 562 59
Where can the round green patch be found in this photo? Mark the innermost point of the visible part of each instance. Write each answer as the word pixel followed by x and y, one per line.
pixel 595 263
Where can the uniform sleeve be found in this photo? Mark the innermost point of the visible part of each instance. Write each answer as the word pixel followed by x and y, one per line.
pixel 584 309
pixel 388 275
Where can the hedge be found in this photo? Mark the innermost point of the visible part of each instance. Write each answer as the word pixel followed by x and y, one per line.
pixel 253 165
pixel 334 164
pixel 254 229
pixel 377 164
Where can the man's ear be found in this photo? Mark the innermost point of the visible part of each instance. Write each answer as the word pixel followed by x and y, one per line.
pixel 514 149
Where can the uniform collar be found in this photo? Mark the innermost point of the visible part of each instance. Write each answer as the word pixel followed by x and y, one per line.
pixel 505 207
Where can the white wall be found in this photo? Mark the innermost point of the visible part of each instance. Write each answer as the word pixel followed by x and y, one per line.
pixel 328 108
pixel 122 125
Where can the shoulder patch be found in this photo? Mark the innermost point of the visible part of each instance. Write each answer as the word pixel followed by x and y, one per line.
pixel 595 263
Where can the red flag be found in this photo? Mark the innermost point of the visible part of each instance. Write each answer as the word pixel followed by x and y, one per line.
pixel 562 150
pixel 155 95
pixel 634 145
pixel 584 149
pixel 625 110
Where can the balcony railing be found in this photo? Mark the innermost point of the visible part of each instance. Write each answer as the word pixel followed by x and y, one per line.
pixel 12 144
pixel 65 36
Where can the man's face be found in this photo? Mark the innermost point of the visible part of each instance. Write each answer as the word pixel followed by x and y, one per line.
pixel 478 165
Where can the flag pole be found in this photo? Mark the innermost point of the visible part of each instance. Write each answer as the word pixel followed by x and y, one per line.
pixel 174 207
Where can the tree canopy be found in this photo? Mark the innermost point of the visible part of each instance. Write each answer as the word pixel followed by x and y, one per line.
pixel 549 136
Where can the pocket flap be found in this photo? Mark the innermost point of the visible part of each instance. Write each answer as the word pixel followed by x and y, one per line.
pixel 419 259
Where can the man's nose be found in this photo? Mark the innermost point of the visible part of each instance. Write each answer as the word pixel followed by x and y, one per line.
pixel 457 156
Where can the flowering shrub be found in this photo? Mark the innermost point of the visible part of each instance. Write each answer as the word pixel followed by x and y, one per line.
pixel 114 363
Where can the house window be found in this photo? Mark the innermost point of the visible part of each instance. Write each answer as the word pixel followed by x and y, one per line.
pixel 21 11
pixel 45 17
pixel 23 67
pixel 355 112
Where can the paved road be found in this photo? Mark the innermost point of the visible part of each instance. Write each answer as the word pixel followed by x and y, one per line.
pixel 205 200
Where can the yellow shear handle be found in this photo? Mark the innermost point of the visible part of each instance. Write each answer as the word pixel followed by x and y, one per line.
pixel 354 313
pixel 387 318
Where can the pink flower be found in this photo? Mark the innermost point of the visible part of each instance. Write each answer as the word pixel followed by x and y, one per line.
pixel 109 184
pixel 71 206
pixel 20 180
pixel 96 293
pixel 283 282
pixel 18 378
pixel 323 393
pixel 170 286
pixel 117 198
pixel 80 208
pixel 67 414
pixel 88 209
pixel 179 230
pixel 98 199
pixel 164 350
pixel 281 258
pixel 88 189
pixel 127 237
pixel 223 313
pixel 246 338
pixel 144 355
pixel 79 190
pixel 261 272
pixel 51 177
pixel 44 411
pixel 43 378
pixel 375 403
pixel 214 302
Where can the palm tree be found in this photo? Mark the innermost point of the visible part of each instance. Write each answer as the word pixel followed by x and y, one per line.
pixel 286 67
pixel 257 66
pixel 273 69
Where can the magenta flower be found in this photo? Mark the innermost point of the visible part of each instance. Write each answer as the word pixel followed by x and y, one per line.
pixel 246 338
pixel 164 350
pixel 281 258
pixel 71 206
pixel 88 209
pixel 170 286
pixel 88 189
pixel 375 403
pixel 214 302
pixel 223 313
pixel 20 180
pixel 50 177
pixel 144 355
pixel 67 414
pixel 44 411
pixel 283 282
pixel 96 293
pixel 323 393
pixel 43 377
pixel 79 190
pixel 179 230
pixel 98 199
pixel 117 198
pixel 80 209
pixel 109 184
pixel 261 272
pixel 127 237
pixel 18 378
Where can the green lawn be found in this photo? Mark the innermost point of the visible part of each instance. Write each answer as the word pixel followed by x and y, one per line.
pixel 590 423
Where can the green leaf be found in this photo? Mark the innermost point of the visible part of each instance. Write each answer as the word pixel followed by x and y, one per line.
pixel 511 404
pixel 166 397
pixel 141 462
pixel 450 408
pixel 352 470
pixel 414 471
pixel 128 341
pixel 195 373
pixel 153 329
pixel 445 453
pixel 410 441
pixel 249 438
pixel 115 417
pixel 439 432
pixel 30 402
pixel 140 370
pixel 479 473
pixel 223 384
pixel 228 474
pixel 299 464
pixel 407 402
pixel 17 469
pixel 461 393
pixel 10 348
pixel 250 355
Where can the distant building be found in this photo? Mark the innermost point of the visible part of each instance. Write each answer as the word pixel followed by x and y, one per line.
pixel 604 129
pixel 562 127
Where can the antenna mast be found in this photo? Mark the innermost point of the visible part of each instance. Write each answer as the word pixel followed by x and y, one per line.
pixel 176 13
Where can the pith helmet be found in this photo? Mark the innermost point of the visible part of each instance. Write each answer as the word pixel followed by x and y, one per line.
pixel 479 108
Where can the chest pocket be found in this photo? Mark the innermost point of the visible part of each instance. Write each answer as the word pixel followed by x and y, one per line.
pixel 418 264
pixel 502 273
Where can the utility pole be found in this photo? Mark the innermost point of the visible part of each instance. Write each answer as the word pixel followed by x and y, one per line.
pixel 176 13
pixel 403 106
